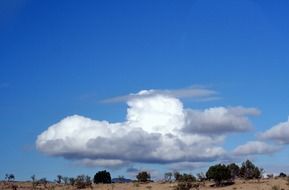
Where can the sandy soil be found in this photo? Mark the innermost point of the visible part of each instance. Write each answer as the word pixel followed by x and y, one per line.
pixel 239 184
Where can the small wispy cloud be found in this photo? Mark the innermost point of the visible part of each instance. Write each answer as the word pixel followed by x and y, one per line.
pixel 197 93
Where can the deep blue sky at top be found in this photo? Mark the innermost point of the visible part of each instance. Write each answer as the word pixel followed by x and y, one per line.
pixel 59 58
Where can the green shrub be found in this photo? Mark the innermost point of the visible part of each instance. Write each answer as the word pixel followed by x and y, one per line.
pixel 102 177
pixel 275 187
pixel 234 170
pixel 250 171
pixel 143 176
pixel 219 173
pixel 184 177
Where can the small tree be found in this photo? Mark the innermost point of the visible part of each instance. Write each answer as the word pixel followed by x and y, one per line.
pixel 250 171
pixel 33 177
pixel 71 181
pixel 219 173
pixel 168 176
pixel 201 176
pixel 9 177
pixel 282 174
pixel 177 175
pixel 234 170
pixel 65 180
pixel 102 177
pixel 58 179
pixel 34 181
pixel 143 176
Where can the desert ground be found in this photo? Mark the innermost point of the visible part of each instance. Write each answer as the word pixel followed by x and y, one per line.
pixel 264 184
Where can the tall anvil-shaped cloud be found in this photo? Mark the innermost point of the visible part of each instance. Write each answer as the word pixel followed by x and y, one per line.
pixel 157 130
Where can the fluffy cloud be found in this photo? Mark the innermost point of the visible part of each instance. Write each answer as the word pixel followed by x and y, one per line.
pixel 255 147
pixel 279 133
pixel 157 130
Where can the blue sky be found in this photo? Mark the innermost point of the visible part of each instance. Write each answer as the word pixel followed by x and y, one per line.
pixel 60 58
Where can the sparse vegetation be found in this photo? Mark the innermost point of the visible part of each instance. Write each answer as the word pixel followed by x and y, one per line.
pixel 184 177
pixel 65 180
pixel 282 174
pixel 9 181
pixel 143 176
pixel 34 184
pixel 221 174
pixel 201 177
pixel 136 184
pixel 149 187
pixel 9 177
pixel 275 187
pixel 184 186
pixel 168 176
pixel 240 184
pixel 287 180
pixel 185 181
pixel 83 181
pixel 43 181
pixel 71 181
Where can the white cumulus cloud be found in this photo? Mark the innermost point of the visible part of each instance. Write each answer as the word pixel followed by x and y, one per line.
pixel 255 147
pixel 158 129
pixel 279 133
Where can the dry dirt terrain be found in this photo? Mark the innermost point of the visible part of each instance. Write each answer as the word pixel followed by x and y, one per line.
pixel 269 184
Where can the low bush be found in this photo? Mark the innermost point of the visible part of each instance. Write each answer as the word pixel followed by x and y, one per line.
pixel 102 177
pixel 143 176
